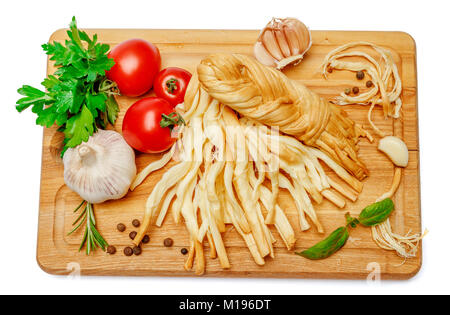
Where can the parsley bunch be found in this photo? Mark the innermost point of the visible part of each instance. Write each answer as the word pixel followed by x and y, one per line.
pixel 78 98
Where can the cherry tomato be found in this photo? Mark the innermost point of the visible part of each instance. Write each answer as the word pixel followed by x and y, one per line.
pixel 141 125
pixel 171 83
pixel 137 62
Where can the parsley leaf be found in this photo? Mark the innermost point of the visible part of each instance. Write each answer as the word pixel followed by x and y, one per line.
pixel 33 97
pixel 96 102
pixel 79 127
pixel 79 98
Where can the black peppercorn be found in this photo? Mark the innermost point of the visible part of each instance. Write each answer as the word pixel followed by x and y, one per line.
pixel 128 251
pixel 121 227
pixel 355 90
pixel 184 251
pixel 132 235
pixel 146 239
pixel 137 250
pixel 360 75
pixel 369 84
pixel 111 250
pixel 168 242
pixel 136 223
pixel 347 91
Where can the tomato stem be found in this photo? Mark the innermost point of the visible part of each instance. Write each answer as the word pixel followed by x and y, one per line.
pixel 172 120
pixel 171 85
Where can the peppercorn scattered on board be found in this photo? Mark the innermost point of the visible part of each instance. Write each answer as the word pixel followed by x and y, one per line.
pixel 58 253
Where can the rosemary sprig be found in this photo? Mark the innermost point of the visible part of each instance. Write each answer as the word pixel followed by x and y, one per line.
pixel 91 238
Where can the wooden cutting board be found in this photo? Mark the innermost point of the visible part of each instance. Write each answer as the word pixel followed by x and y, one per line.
pixel 57 253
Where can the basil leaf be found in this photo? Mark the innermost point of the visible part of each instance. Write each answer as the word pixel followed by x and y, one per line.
pixel 328 246
pixel 376 213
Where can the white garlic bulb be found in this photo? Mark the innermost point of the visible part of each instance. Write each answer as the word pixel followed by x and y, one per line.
pixel 101 168
pixel 395 149
pixel 282 42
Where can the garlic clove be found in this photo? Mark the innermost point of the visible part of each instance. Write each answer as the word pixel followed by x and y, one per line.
pixel 101 168
pixel 395 149
pixel 263 55
pixel 282 42
pixel 303 34
pixel 292 36
pixel 271 44
pixel 289 60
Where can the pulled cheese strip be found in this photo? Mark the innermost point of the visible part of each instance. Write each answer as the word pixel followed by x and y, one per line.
pixel 406 246
pixel 381 78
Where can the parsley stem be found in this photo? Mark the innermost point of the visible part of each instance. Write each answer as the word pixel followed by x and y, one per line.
pixel 108 87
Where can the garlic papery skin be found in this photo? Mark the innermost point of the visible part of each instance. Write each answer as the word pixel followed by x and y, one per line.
pixel 395 149
pixel 282 42
pixel 101 168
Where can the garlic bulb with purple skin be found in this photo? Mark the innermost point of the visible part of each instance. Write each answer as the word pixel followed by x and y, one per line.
pixel 282 42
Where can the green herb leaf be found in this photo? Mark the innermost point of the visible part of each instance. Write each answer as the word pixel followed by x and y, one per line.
pixel 79 128
pixel 96 102
pixel 377 212
pixel 328 246
pixel 33 97
pixel 68 96
pixel 59 54
pixel 50 82
pixel 101 63
pixel 47 117
pixel 112 109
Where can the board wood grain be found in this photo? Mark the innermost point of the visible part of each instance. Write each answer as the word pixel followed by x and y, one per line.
pixel 57 253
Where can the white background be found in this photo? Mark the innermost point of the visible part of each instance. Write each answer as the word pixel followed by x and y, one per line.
pixel 26 25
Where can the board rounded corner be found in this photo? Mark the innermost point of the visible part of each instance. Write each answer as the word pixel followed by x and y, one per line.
pixel 45 265
pixel 415 271
pixel 57 34
pixel 409 37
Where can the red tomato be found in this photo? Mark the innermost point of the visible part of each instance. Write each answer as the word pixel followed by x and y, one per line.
pixel 171 83
pixel 141 125
pixel 136 64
